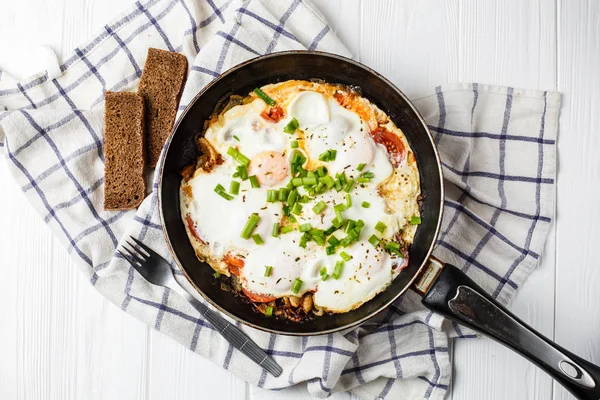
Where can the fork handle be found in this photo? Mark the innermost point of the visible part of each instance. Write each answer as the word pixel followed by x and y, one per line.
pixel 237 337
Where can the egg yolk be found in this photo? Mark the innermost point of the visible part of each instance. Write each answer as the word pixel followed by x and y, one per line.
pixel 270 168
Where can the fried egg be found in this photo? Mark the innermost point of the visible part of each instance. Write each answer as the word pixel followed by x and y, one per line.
pixel 348 165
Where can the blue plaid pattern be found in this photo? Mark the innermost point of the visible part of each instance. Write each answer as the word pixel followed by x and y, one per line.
pixel 497 145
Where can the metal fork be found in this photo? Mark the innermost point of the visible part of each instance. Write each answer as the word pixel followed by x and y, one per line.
pixel 157 271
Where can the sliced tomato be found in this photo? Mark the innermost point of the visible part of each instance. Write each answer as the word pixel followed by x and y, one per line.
pixel 192 227
pixel 392 143
pixel 273 114
pixel 258 298
pixel 234 263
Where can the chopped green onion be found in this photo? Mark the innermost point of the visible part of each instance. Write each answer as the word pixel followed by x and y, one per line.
pixel 291 200
pixel 337 222
pixel 380 227
pixel 291 126
pixel 269 311
pixel 320 188
pixel 236 175
pixel 339 207
pixel 297 209
pixel 349 226
pixel 361 166
pixel 264 96
pixel 342 178
pixel 254 181
pixel 349 185
pixel 328 180
pixel 319 240
pixel 243 172
pixel 393 246
pixel 236 138
pixel 322 171
pixel 328 155
pixel 324 277
pixel 296 286
pixel 415 220
pixel 309 180
pixel 268 269
pixel 311 191
pixel 337 271
pixel 338 215
pixel 297 181
pixel 257 239
pixel 292 218
pixel 332 154
pixel 217 275
pixel 330 250
pixel 234 187
pixel 287 229
pixel 319 207
pixel 239 157
pixel 323 271
pixel 374 240
pixel 338 186
pixel 305 227
pixel 345 256
pixel 348 200
pixel 298 158
pixel 368 175
pixel 333 241
pixel 363 180
pixel 220 190
pixel 250 225
pixel 275 231
pixel 330 230
pixel 271 196
pixel 360 223
pixel 294 144
pixel 366 204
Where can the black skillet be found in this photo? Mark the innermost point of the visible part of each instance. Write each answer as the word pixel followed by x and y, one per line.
pixel 445 289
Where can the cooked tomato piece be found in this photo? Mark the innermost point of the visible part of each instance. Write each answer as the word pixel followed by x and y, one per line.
pixel 234 263
pixel 392 143
pixel 258 298
pixel 192 227
pixel 273 114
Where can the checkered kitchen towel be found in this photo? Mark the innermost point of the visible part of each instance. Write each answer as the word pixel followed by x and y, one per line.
pixel 497 144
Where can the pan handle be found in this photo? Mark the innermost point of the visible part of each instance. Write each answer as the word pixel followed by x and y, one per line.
pixel 453 294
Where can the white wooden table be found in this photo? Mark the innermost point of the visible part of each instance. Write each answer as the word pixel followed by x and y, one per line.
pixel 59 339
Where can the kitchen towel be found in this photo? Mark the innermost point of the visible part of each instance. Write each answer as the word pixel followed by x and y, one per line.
pixel 497 145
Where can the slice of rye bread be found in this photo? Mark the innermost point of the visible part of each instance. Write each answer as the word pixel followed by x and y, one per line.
pixel 124 150
pixel 161 85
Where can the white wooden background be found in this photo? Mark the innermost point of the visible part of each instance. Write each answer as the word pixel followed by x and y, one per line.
pixel 59 339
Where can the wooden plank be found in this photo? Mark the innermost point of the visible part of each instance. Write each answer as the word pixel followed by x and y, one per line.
pixel 577 274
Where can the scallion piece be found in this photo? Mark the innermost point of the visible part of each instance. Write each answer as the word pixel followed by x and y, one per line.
pixel 275 231
pixel 254 181
pixel 320 188
pixel 361 166
pixel 291 126
pixel 235 175
pixel 264 96
pixel 366 204
pixel 349 226
pixel 363 180
pixel 415 220
pixel 294 144
pixel 333 241
pixel 271 196
pixel 323 271
pixel 348 200
pixel 269 311
pixel 234 187
pixel 250 225
pixel 339 207
pixel 345 256
pixel 257 239
pixel 319 207
pixel 380 227
pixel 319 240
pixel 297 209
pixel 236 138
pixel 220 190
pixel 297 181
pixel 296 286
pixel 392 246
pixel 287 229
pixel 239 157
pixel 291 200
pixel 217 275
pixel 308 181
pixel 368 175
pixel 322 171
pixel 337 222
pixel 328 180
pixel 242 172
pixel 374 240
pixel 283 194
pixel 342 178
pixel 332 155
pixel 330 250
pixel 292 218
pixel 337 271
pixel 305 227
pixel 349 185
pixel 268 269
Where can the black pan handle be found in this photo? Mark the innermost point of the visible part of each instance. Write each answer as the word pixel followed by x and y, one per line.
pixel 454 295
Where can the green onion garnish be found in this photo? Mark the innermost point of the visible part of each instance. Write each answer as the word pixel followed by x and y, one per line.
pixel 361 166
pixel 339 207
pixel 283 194
pixel 234 187
pixel 337 271
pixel 236 138
pixel 254 181
pixel 363 180
pixel 319 207
pixel 349 226
pixel 319 240
pixel 220 190
pixel 323 271
pixel 239 157
pixel 393 247
pixel 271 196
pixel 292 218
pixel 296 286
pixel 257 239
pixel 345 256
pixel 337 222
pixel 242 172
pixel 374 240
pixel 415 220
pixel 322 171
pixel 264 96
pixel 269 311
pixel 291 200
pixel 320 188
pixel 349 185
pixel 287 229
pixel 297 182
pixel 275 231
pixel 297 209
pixel 305 227
pixel 291 126
pixel 308 181
pixel 368 175
pixel 332 154
pixel 348 200
pixel 366 204
pixel 380 227
pixel 328 180
pixel 217 275
pixel 328 155
pixel 268 269
pixel 330 250
pixel 294 144
pixel 250 225
pixel 333 241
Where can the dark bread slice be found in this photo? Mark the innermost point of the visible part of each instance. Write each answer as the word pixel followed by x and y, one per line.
pixel 161 85
pixel 124 150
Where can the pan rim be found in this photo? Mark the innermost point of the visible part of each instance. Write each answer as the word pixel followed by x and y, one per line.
pixel 160 171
